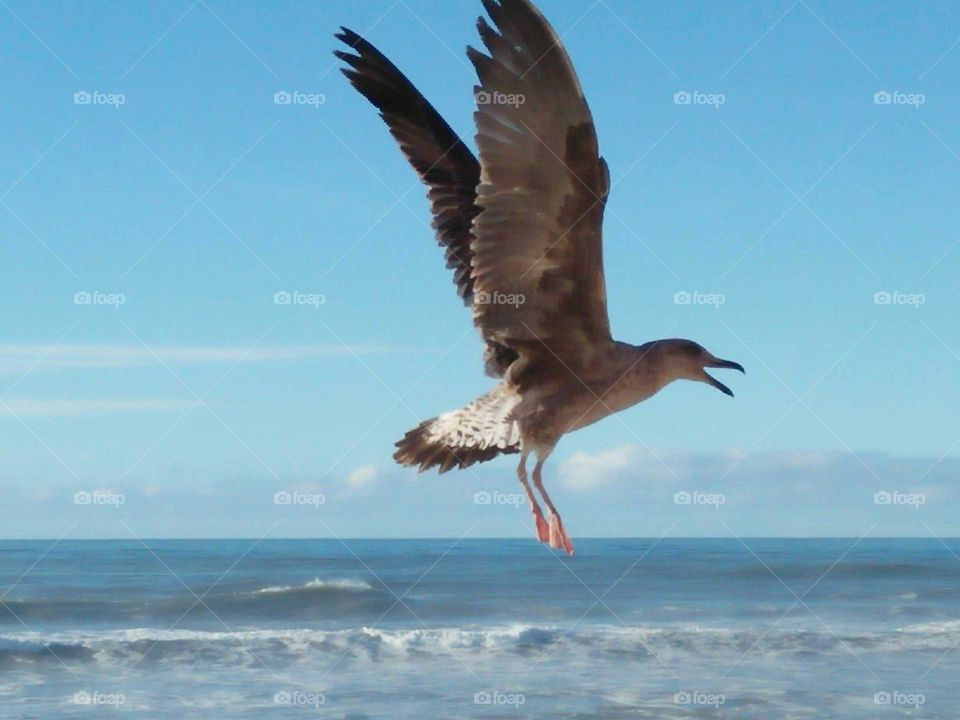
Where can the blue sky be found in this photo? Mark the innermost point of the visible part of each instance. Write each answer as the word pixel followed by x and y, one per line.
pixel 181 199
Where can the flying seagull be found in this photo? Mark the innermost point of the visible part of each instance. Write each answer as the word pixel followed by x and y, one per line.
pixel 521 230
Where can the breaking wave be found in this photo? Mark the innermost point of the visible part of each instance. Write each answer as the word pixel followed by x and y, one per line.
pixel 317 600
pixel 374 644
pixel 318 584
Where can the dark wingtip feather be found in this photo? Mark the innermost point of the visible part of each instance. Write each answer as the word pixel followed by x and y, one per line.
pixel 348 36
pixel 438 155
pixel 483 27
pixel 491 7
pixel 352 60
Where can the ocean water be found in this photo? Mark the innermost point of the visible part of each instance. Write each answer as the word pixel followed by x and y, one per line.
pixel 484 628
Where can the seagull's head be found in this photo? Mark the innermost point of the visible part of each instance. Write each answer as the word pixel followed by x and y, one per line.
pixel 688 360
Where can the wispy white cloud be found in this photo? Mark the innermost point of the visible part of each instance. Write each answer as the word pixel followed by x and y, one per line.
pixel 631 463
pixel 777 494
pixel 583 470
pixel 34 407
pixel 18 358
pixel 362 476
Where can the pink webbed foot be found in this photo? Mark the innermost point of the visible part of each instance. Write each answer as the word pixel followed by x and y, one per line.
pixel 543 531
pixel 558 536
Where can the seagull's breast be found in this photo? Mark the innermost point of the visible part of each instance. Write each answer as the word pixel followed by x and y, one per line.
pixel 611 395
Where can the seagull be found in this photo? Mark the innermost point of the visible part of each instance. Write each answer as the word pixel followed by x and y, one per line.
pixel 521 231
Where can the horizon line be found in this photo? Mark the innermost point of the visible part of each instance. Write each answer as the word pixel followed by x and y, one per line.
pixel 491 538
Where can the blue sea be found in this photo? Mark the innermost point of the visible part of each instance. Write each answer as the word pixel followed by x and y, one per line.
pixel 631 628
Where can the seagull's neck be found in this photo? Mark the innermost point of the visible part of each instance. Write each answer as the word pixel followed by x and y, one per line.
pixel 644 371
pixel 629 374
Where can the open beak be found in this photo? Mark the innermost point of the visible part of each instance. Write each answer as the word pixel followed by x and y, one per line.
pixel 727 365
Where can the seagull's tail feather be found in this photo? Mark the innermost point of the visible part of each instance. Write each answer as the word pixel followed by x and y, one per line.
pixel 476 433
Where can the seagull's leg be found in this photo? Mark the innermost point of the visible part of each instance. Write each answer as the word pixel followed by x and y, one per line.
pixel 543 532
pixel 558 536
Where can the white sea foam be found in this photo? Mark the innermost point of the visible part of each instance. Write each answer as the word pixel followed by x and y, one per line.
pixel 318 584
pixel 372 644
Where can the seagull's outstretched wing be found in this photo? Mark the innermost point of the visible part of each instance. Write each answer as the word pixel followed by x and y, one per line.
pixel 446 166
pixel 537 250
pixel 444 163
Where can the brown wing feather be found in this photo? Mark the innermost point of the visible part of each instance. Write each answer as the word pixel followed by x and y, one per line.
pixel 543 188
pixel 445 165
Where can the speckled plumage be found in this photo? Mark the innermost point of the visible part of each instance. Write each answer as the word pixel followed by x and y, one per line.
pixel 480 431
